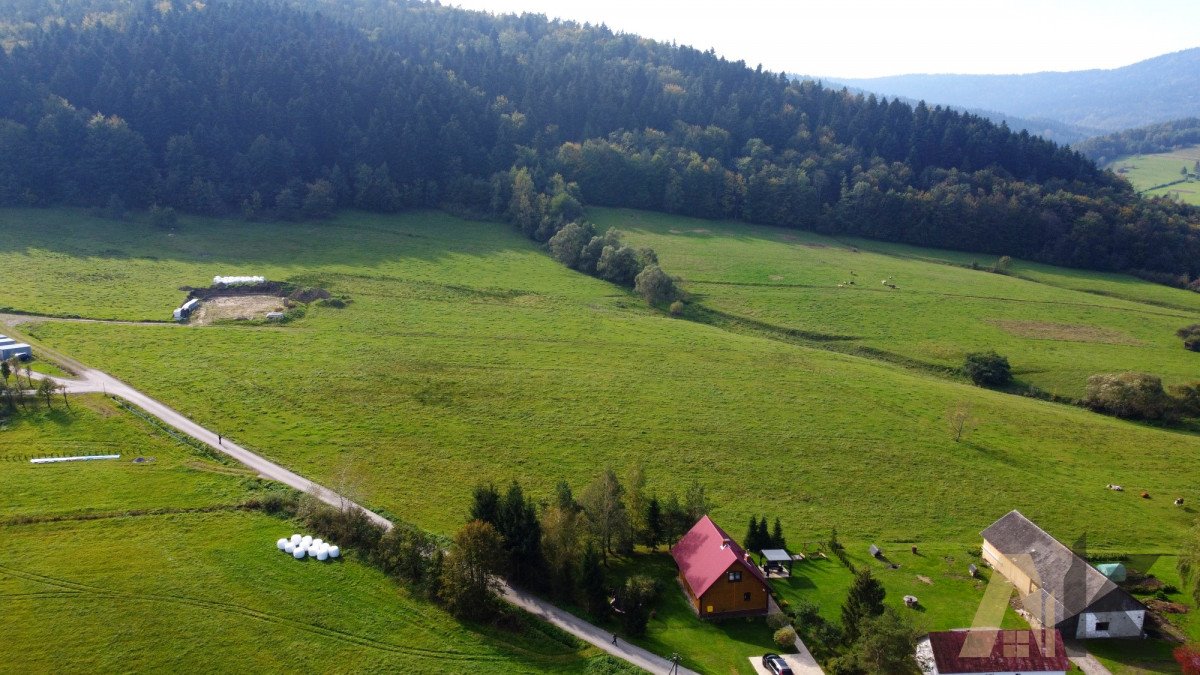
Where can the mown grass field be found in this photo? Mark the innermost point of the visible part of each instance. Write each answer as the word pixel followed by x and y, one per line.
pixel 115 566
pixel 468 355
pixel 1057 327
pixel 1148 171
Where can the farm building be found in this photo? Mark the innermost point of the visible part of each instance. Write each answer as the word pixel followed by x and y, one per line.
pixel 1058 588
pixel 996 652
pixel 718 577
pixel 19 350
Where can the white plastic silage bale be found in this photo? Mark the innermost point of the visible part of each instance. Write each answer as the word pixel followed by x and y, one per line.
pixel 334 551
pixel 296 538
pixel 306 540
pixel 298 554
pixel 281 543
pixel 322 555
pixel 317 542
pixel 289 547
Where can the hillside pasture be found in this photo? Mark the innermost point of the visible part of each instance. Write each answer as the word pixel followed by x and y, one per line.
pixel 468 353
pixel 112 565
pixel 1056 326
pixel 1151 171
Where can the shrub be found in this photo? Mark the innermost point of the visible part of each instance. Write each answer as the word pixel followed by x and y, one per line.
pixel 1191 336
pixel 677 308
pixel 1128 395
pixel 777 621
pixel 988 369
pixel 1187 399
pixel 654 285
pixel 785 637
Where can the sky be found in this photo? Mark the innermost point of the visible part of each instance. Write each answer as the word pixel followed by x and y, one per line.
pixel 872 38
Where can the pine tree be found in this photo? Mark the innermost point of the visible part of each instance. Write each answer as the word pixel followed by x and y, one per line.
pixel 777 540
pixel 750 542
pixel 654 524
pixel 592 583
pixel 762 535
pixel 865 600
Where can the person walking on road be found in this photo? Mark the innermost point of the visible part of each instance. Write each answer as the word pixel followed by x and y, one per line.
pixel 614 638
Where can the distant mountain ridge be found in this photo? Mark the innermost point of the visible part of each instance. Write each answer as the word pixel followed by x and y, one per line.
pixel 1156 90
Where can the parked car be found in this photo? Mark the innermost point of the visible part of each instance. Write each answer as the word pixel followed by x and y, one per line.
pixel 776 664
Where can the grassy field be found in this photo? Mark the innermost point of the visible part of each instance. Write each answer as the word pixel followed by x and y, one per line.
pixel 1147 171
pixel 116 566
pixel 468 355
pixel 1056 326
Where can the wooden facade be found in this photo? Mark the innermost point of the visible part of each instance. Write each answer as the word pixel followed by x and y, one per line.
pixel 747 596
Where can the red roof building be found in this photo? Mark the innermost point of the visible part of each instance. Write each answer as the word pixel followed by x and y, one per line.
pixel 968 652
pixel 718 576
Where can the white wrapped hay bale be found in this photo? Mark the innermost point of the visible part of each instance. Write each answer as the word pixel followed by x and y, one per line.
pixel 322 554
pixel 296 538
pixel 289 547
pixel 281 543
pixel 317 542
pixel 298 554
pixel 334 551
pixel 306 540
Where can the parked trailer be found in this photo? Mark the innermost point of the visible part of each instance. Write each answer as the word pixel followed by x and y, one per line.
pixel 184 311
pixel 20 350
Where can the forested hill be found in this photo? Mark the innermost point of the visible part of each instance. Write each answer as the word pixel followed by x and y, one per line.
pixel 1155 90
pixel 282 110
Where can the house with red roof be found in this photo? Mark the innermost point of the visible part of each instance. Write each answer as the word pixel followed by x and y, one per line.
pixel 996 652
pixel 718 577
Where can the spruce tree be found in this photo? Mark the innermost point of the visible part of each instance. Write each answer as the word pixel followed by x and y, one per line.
pixel 763 536
pixel 750 542
pixel 592 583
pixel 777 540
pixel 654 524
pixel 865 600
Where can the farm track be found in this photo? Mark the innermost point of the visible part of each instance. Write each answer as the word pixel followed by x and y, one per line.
pixel 18 319
pixel 72 589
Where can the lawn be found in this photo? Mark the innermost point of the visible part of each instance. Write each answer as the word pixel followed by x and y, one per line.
pixel 1057 327
pixel 112 565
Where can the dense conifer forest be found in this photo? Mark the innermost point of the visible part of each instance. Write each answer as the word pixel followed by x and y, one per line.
pixel 274 110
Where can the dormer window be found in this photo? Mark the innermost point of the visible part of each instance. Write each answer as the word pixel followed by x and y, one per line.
pixel 735 576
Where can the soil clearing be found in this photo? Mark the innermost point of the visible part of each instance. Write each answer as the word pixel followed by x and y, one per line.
pixel 237 308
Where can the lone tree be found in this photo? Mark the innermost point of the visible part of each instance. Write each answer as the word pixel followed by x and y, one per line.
pixel 885 645
pixel 960 420
pixel 469 581
pixel 655 287
pixel 864 601
pixel 987 369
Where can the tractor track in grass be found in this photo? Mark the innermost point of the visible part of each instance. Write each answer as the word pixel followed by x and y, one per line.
pixel 72 589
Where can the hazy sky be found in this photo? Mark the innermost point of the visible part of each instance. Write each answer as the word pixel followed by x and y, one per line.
pixel 869 38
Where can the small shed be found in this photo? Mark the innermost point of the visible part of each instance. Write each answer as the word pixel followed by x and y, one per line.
pixel 875 551
pixel 775 560
pixel 19 350
pixel 1114 571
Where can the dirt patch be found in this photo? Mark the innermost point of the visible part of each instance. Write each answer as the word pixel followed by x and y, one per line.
pixel 237 308
pixel 1042 330
pixel 700 230
pixel 924 579
pixel 776 277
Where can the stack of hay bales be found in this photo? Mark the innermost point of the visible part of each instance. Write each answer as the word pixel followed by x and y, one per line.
pixel 301 546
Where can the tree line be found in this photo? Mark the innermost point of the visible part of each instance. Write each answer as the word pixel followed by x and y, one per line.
pixel 1147 140
pixel 295 111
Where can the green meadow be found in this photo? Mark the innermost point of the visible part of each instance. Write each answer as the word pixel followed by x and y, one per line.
pixel 1148 171
pixel 1056 326
pixel 112 565
pixel 466 354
